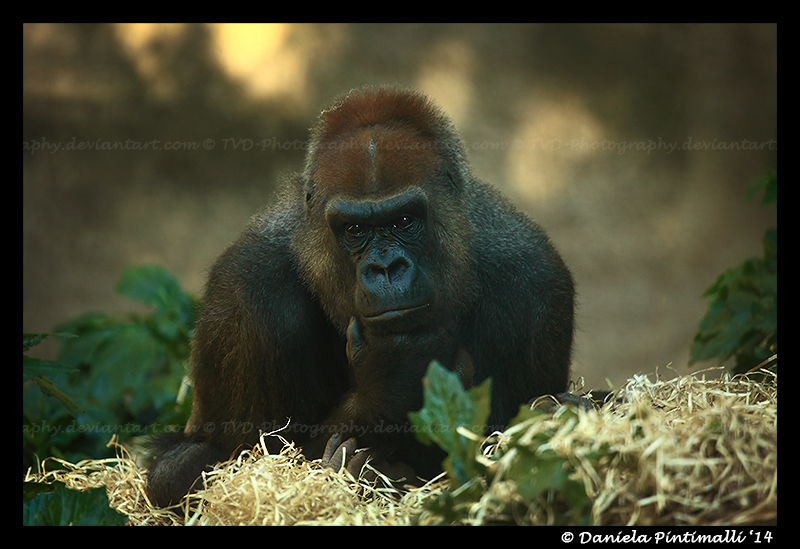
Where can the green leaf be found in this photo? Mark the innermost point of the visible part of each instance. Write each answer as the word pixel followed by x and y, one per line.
pixel 35 369
pixel 47 387
pixel 32 367
pixel 174 313
pixel 32 340
pixel 64 507
pixel 447 408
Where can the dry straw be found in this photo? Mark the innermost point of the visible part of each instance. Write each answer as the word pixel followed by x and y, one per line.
pixel 684 451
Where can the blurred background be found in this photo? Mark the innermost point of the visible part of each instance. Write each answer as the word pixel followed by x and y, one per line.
pixel 632 145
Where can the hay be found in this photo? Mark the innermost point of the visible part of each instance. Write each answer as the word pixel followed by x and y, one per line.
pixel 123 479
pixel 285 489
pixel 257 488
pixel 686 451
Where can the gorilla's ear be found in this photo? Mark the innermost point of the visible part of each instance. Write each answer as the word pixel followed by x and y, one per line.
pixel 308 189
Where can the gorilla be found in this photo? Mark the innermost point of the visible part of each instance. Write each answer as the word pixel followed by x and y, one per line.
pixel 384 254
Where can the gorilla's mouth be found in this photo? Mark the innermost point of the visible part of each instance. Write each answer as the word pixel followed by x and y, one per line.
pixel 399 314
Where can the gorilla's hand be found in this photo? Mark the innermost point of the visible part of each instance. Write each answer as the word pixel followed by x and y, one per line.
pixel 340 454
pixel 344 456
pixel 388 357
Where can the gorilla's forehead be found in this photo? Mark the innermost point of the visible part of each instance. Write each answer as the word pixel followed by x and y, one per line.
pixel 375 162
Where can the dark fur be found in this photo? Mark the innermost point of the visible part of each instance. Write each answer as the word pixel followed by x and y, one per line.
pixel 286 331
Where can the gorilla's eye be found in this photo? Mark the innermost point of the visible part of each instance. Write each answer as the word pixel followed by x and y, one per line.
pixel 404 222
pixel 355 230
pixel 355 236
pixel 408 227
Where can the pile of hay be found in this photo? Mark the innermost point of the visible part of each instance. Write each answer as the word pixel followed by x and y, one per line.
pixel 705 452
pixel 285 489
pixel 123 480
pixel 257 488
pixel 686 451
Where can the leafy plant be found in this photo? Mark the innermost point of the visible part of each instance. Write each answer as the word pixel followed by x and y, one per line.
pixel 537 470
pixel 121 374
pixel 56 505
pixel 36 371
pixel 455 420
pixel 447 415
pixel 742 316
